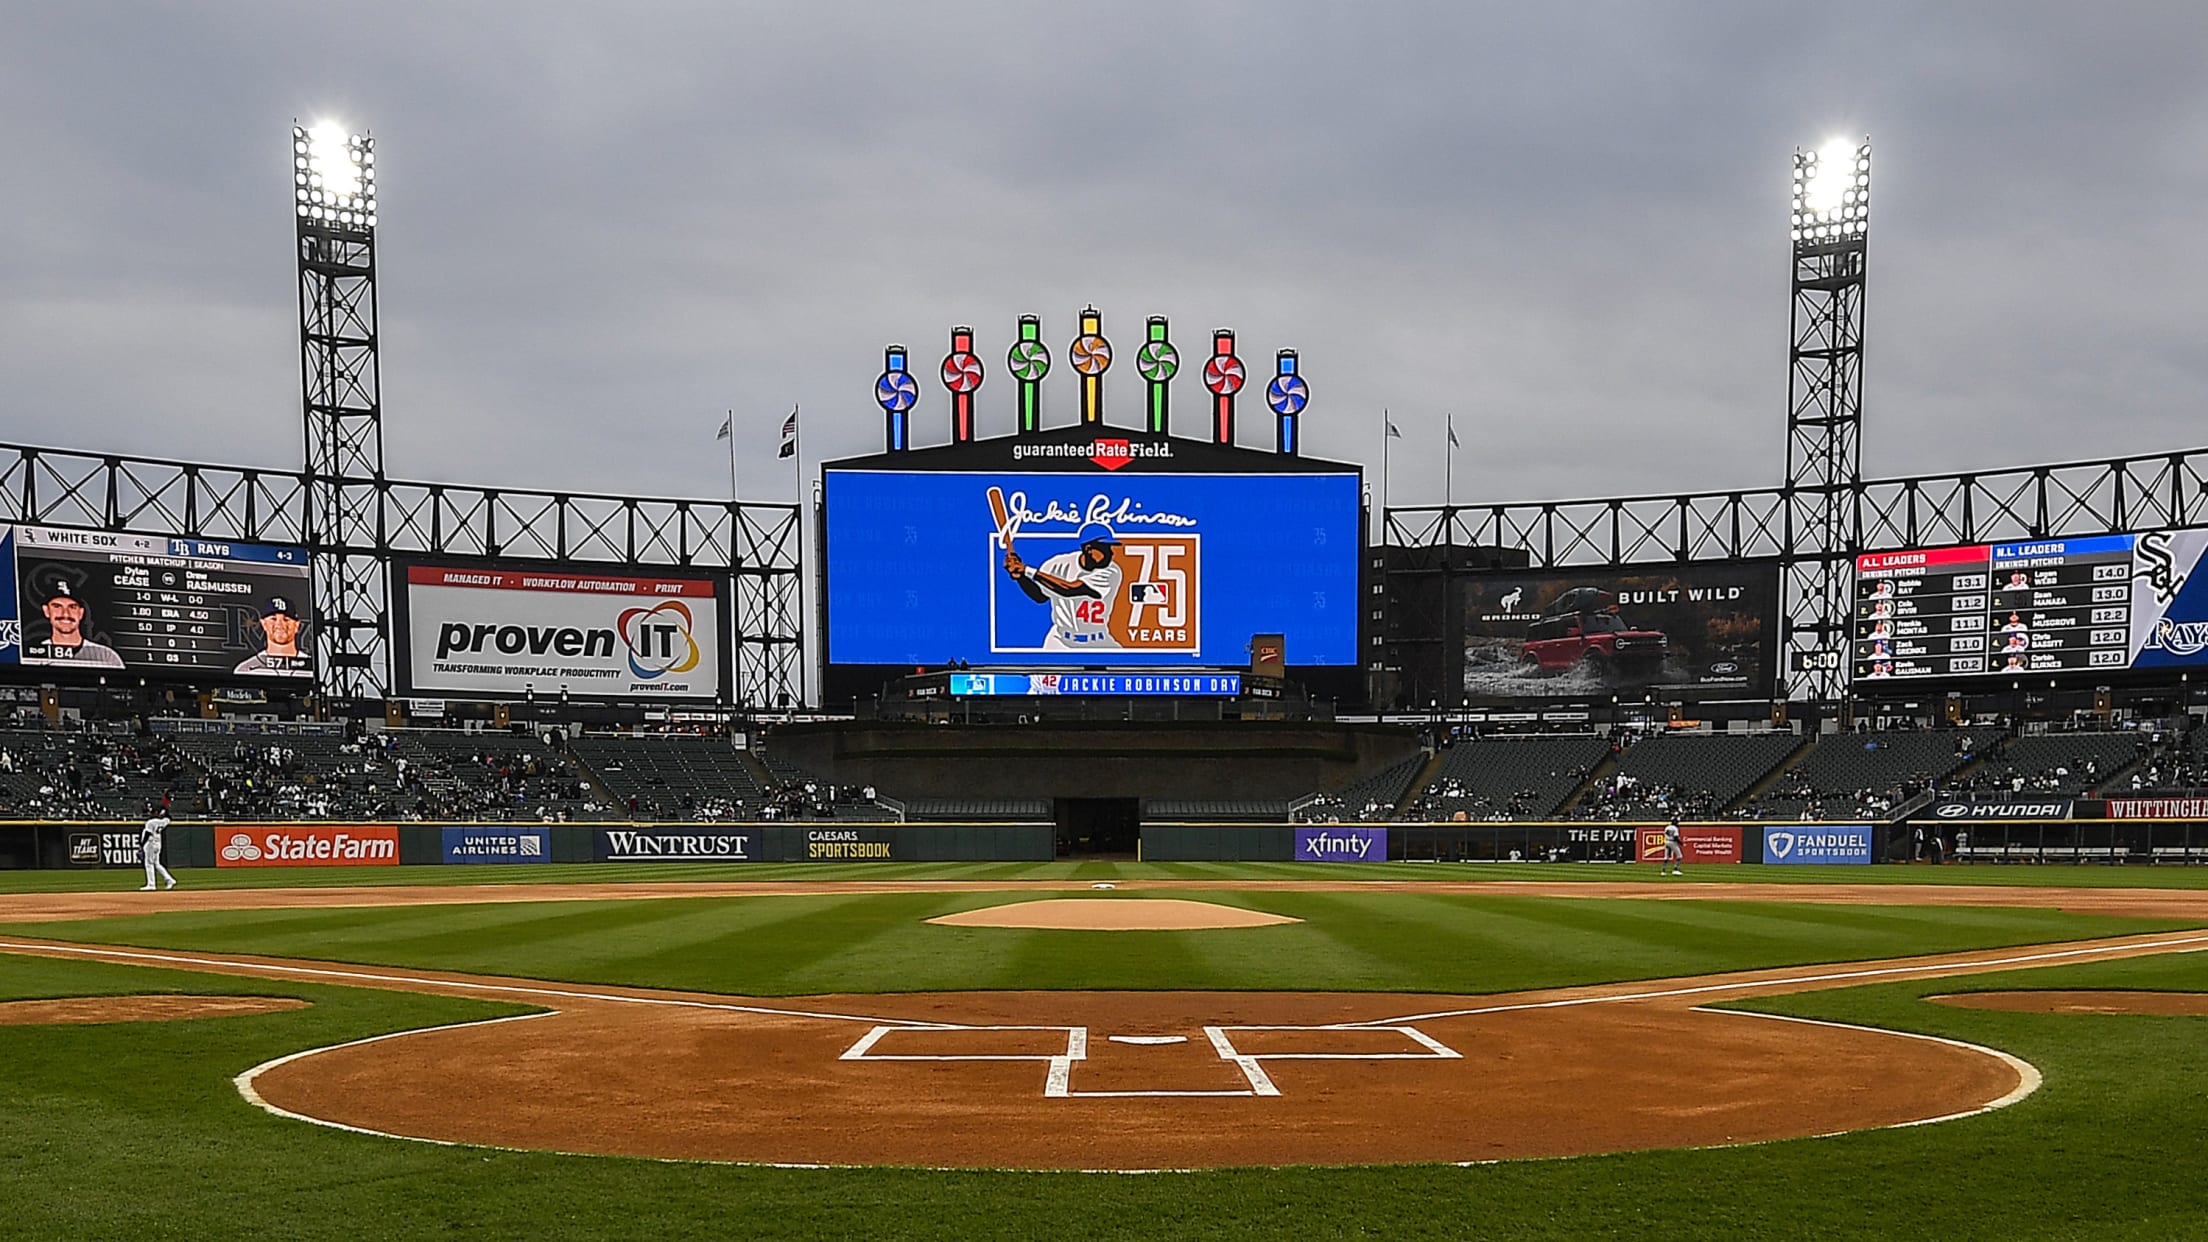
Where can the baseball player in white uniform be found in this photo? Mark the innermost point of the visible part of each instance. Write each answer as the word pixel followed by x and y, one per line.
pixel 1675 850
pixel 1079 586
pixel 149 849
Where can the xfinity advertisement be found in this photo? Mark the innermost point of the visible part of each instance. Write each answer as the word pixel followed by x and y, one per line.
pixel 1699 630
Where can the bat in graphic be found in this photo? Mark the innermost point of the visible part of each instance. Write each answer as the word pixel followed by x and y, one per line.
pixel 1006 528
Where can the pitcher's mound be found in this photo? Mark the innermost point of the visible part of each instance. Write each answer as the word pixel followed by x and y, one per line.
pixel 88 1009
pixel 1113 914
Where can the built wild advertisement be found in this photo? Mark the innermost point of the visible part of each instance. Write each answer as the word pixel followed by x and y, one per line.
pixel 1703 631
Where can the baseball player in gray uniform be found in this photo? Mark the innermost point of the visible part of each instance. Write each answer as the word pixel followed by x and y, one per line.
pixel 1079 586
pixel 149 849
pixel 1675 850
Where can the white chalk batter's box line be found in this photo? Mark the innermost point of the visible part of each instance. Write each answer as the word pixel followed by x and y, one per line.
pixel 1058 1076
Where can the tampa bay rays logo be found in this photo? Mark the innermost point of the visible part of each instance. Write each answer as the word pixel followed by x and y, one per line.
pixel 2159 567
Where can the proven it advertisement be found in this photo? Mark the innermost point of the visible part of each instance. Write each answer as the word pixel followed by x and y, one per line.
pixel 500 631
pixel 1150 569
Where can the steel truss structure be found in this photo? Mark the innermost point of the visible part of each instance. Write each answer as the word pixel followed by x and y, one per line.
pixel 1824 427
pixel 757 545
pixel 341 399
pixel 2164 491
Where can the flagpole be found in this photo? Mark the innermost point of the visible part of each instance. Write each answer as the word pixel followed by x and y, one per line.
pixel 1448 470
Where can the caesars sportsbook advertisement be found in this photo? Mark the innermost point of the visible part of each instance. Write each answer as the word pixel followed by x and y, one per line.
pixel 1701 631
pixel 1091 553
pixel 504 630
pixel 106 602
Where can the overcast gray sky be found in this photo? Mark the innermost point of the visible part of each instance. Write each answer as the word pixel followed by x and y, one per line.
pixel 603 226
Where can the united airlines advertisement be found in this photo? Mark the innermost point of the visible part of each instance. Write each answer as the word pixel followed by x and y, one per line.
pixel 1173 570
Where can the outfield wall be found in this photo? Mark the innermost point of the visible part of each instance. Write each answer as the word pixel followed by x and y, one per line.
pixel 247 846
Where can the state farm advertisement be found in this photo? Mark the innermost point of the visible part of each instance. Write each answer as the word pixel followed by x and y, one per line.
pixel 505 632
pixel 303 845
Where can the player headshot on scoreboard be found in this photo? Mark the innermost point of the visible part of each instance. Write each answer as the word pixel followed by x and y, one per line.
pixel 1882 667
pixel 1882 629
pixel 1883 589
pixel 2016 625
pixel 1883 608
pixel 2018 581
pixel 2015 665
pixel 1079 586
pixel 2017 642
pixel 66 621
pixel 279 653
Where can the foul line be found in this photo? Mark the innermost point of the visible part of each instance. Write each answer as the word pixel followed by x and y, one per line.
pixel 361 976
pixel 2189 944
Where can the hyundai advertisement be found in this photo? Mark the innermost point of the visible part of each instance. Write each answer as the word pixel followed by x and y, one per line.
pixel 1060 569
pixel 505 631
pixel 1697 630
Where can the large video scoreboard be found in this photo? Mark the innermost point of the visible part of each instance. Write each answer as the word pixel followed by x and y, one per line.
pixel 2046 606
pixel 154 605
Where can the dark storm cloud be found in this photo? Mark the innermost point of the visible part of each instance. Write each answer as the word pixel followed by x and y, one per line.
pixel 602 229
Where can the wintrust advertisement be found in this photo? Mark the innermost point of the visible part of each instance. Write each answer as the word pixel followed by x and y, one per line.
pixel 302 845
pixel 501 631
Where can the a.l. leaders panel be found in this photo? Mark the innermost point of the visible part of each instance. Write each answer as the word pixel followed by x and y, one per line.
pixel 1057 569
pixel 154 605
pixel 2095 604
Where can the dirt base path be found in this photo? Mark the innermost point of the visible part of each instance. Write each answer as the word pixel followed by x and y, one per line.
pixel 2131 902
pixel 1135 1080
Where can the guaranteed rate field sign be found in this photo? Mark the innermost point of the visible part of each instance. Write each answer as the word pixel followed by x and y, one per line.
pixel 502 632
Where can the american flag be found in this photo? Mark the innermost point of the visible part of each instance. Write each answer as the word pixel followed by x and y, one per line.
pixel 789 435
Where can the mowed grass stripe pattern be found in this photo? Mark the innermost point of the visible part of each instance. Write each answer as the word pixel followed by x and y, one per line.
pixel 1354 941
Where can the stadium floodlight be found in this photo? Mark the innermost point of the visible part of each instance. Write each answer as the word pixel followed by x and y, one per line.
pixel 334 175
pixel 1832 192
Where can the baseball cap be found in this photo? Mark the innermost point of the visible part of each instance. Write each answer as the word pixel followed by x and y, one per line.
pixel 278 604
pixel 1097 532
pixel 59 588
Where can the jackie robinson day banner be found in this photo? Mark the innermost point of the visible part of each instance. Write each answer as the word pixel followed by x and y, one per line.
pixel 504 632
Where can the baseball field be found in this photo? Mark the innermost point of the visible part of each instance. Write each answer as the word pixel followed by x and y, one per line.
pixel 1176 1050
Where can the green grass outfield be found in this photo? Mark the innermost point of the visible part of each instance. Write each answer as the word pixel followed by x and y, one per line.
pixel 134 1130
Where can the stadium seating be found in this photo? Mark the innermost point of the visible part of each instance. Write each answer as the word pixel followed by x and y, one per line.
pixel 2065 764
pixel 85 774
pixel 492 776
pixel 1371 799
pixel 1865 775
pixel 1509 777
pixel 1695 776
pixel 673 776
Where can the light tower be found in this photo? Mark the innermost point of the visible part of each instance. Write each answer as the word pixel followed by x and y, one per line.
pixel 334 198
pixel 1824 451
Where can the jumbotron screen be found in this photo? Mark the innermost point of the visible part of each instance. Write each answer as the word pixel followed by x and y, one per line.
pixel 2103 603
pixel 1150 570
pixel 154 605
pixel 1689 631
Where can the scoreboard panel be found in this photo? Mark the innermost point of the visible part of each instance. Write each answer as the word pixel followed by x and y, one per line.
pixel 155 605
pixel 2044 606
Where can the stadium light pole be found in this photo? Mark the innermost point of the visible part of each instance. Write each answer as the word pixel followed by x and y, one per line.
pixel 1824 451
pixel 334 214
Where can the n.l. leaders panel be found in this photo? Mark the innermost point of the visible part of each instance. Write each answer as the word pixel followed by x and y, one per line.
pixel 154 605
pixel 1054 569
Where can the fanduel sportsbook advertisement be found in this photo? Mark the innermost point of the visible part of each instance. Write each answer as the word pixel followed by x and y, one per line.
pixel 1105 569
